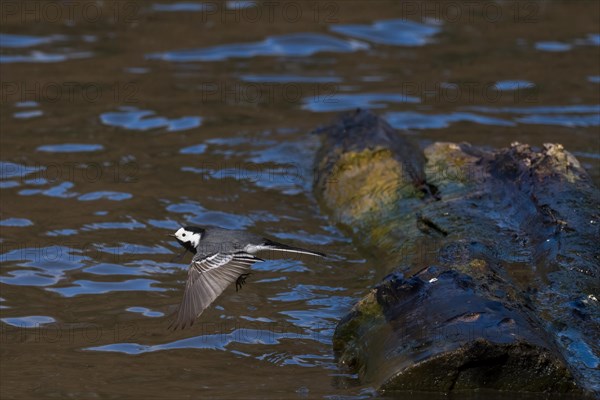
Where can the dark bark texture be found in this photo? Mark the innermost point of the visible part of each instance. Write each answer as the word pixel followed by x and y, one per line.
pixel 491 255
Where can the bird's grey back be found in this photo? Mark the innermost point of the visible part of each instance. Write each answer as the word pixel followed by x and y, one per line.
pixel 219 240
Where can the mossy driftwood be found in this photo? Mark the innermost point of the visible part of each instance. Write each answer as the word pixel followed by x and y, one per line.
pixel 492 259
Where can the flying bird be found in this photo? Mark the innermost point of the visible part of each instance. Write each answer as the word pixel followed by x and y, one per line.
pixel 221 257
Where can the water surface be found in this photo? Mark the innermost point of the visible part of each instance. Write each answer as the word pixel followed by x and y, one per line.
pixel 118 129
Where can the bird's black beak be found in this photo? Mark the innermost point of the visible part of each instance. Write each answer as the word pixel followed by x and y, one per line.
pixel 171 234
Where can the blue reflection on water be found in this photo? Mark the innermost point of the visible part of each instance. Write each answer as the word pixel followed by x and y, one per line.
pixel 105 195
pixel 112 269
pixel 305 292
pixel 62 232
pixel 26 104
pixel 32 321
pixel 568 115
pixel 19 41
pixel 398 32
pixel 415 120
pixel 202 216
pixel 134 268
pixel 553 46
pixel 79 287
pixel 326 308
pixel 240 4
pixel 133 248
pixel 10 41
pixel 281 265
pixel 39 266
pixel 28 114
pixel 580 115
pixel 146 312
pixel 42 57
pixel 184 6
pixel 512 85
pixel 291 176
pixel 61 190
pixel 130 225
pixel 293 45
pixel 142 120
pixel 13 170
pixel 575 109
pixel 8 184
pixel 16 222
pixel 290 78
pixel 592 39
pixel 562 120
pixel 164 224
pixel 218 341
pixel 195 149
pixel 341 102
pixel 70 148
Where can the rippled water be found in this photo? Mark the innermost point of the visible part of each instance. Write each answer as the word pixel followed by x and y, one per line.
pixel 118 128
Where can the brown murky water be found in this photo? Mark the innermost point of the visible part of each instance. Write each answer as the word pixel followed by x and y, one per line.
pixel 120 120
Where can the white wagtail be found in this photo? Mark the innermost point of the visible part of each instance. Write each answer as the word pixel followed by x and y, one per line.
pixel 221 257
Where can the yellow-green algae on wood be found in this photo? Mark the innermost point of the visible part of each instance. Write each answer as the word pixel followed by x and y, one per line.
pixel 362 183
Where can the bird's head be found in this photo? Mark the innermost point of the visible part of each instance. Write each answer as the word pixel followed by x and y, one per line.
pixel 189 237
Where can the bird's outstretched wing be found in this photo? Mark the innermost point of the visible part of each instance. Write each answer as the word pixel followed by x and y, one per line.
pixel 208 277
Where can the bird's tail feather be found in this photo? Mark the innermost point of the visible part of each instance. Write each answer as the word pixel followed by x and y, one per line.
pixel 271 245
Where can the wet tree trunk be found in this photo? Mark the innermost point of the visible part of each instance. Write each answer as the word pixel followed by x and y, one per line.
pixel 492 255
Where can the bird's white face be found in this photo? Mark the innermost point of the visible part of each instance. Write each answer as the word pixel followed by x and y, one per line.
pixel 187 236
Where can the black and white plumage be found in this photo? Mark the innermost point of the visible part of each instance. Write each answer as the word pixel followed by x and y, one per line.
pixel 221 257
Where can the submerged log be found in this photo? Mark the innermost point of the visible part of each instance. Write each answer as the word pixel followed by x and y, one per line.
pixel 492 255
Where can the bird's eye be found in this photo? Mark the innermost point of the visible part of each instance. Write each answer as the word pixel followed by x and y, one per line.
pixel 183 234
